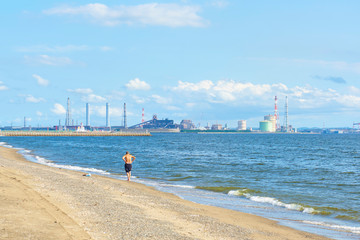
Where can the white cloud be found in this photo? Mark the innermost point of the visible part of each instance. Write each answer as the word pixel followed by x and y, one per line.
pixel 3 87
pixel 249 94
pixel 41 81
pixel 105 48
pixel 116 95
pixel 190 105
pixel 58 109
pixel 32 99
pixel 139 100
pixel 219 3
pixel 39 114
pixel 172 15
pixel 81 90
pixel 228 90
pixel 44 48
pixel 93 98
pixel 101 111
pixel 172 108
pixel 354 90
pixel 160 100
pixel 349 101
pixel 48 60
pixel 337 65
pixel 88 95
pixel 186 86
pixel 137 84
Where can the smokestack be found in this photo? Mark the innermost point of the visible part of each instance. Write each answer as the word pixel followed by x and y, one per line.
pixel 87 114
pixel 276 114
pixel 143 115
pixel 107 115
pixel 125 124
pixel 68 114
pixel 286 115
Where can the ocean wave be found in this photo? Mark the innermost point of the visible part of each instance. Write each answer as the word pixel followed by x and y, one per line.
pixel 334 226
pixel 179 179
pixel 173 185
pixel 217 189
pixel 44 161
pixel 273 201
pixel 70 167
pixel 158 183
pixel 5 144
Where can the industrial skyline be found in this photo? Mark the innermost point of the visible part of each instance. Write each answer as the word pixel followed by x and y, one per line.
pixel 70 122
pixel 270 123
pixel 180 65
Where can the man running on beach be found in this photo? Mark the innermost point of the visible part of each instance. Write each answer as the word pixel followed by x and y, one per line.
pixel 128 159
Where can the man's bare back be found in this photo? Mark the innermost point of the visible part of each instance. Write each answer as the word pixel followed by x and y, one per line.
pixel 128 158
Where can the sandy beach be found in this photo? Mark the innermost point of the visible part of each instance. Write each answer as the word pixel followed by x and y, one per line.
pixel 40 202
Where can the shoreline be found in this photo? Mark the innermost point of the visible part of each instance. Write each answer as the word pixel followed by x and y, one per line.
pixel 73 133
pixel 99 207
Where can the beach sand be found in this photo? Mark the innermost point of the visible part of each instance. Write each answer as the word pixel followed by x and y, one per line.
pixel 41 202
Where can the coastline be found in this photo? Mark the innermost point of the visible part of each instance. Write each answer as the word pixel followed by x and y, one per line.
pixel 38 201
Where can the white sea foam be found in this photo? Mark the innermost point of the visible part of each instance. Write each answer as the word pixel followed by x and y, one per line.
pixel 273 201
pixel 70 167
pixel 355 230
pixel 179 186
pixel 4 144
pixel 42 160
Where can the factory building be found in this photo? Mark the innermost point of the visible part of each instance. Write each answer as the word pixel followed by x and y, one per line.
pixel 216 127
pixel 241 125
pixel 155 123
pixel 187 125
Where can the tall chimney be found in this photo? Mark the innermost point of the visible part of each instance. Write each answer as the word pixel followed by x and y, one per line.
pixel 107 115
pixel 87 114
pixel 125 124
pixel 68 114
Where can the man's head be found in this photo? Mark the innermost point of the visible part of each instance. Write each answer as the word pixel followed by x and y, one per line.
pixel 127 152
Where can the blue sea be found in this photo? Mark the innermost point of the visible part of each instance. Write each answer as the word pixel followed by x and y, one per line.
pixel 306 181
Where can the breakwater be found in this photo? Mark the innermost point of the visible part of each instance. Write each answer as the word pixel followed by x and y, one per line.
pixel 71 133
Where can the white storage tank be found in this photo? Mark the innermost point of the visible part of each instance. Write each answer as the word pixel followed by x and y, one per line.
pixel 242 125
pixel 267 126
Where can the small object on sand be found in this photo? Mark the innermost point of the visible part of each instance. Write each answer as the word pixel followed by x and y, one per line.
pixel 87 174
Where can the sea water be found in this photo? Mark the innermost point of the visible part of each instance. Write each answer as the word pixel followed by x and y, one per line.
pixel 305 181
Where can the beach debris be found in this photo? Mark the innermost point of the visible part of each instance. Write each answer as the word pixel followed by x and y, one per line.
pixel 87 174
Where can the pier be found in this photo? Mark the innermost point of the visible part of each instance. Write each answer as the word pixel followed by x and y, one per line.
pixel 72 133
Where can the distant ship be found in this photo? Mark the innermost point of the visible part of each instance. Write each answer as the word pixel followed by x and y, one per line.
pixel 81 128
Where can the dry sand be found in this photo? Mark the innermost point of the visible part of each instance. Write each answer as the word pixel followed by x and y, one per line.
pixel 40 202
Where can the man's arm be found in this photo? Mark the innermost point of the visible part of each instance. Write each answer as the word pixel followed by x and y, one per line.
pixel 133 158
pixel 123 158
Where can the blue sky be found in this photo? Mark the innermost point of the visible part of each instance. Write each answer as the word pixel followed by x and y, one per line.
pixel 216 61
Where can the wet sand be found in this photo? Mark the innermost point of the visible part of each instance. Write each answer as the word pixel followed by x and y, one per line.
pixel 41 202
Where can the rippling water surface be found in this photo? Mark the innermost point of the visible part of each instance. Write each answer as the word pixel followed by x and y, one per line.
pixel 310 182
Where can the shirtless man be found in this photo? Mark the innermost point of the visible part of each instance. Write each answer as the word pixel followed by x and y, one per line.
pixel 128 159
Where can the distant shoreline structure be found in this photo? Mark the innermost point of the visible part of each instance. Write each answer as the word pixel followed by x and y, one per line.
pixel 72 133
